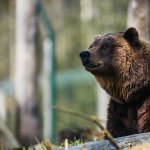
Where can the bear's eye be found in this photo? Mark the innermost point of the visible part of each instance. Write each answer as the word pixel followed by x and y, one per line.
pixel 104 46
pixel 105 49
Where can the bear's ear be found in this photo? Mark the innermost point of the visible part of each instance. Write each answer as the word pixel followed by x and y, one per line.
pixel 132 36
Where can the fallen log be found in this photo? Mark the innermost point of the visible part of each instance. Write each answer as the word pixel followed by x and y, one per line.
pixel 124 143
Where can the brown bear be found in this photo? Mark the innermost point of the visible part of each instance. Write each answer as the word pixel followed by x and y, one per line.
pixel 121 64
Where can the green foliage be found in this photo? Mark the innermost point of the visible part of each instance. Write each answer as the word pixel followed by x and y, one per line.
pixel 6 38
pixel 81 97
pixel 70 144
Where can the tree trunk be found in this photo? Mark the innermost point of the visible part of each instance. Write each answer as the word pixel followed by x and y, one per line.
pixel 26 86
pixel 138 17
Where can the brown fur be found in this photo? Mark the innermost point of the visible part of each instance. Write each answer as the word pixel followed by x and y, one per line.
pixel 122 67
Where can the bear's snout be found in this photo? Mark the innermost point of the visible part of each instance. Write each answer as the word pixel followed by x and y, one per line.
pixel 84 55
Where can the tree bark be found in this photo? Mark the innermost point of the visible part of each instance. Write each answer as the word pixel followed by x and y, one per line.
pixel 138 17
pixel 26 85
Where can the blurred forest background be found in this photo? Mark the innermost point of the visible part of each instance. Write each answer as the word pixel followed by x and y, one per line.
pixel 73 23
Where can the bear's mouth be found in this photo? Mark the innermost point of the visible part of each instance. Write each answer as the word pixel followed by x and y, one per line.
pixel 91 66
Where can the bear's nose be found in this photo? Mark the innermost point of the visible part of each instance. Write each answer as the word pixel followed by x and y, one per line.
pixel 84 55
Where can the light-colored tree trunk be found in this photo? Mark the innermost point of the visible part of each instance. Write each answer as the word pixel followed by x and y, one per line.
pixel 139 17
pixel 102 103
pixel 47 91
pixel 26 86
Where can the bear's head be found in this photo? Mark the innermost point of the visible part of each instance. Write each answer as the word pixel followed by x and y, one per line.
pixel 120 62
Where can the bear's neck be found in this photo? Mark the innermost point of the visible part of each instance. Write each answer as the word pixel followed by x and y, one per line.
pixel 124 92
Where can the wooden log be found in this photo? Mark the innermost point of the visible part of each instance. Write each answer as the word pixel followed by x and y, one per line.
pixel 124 143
